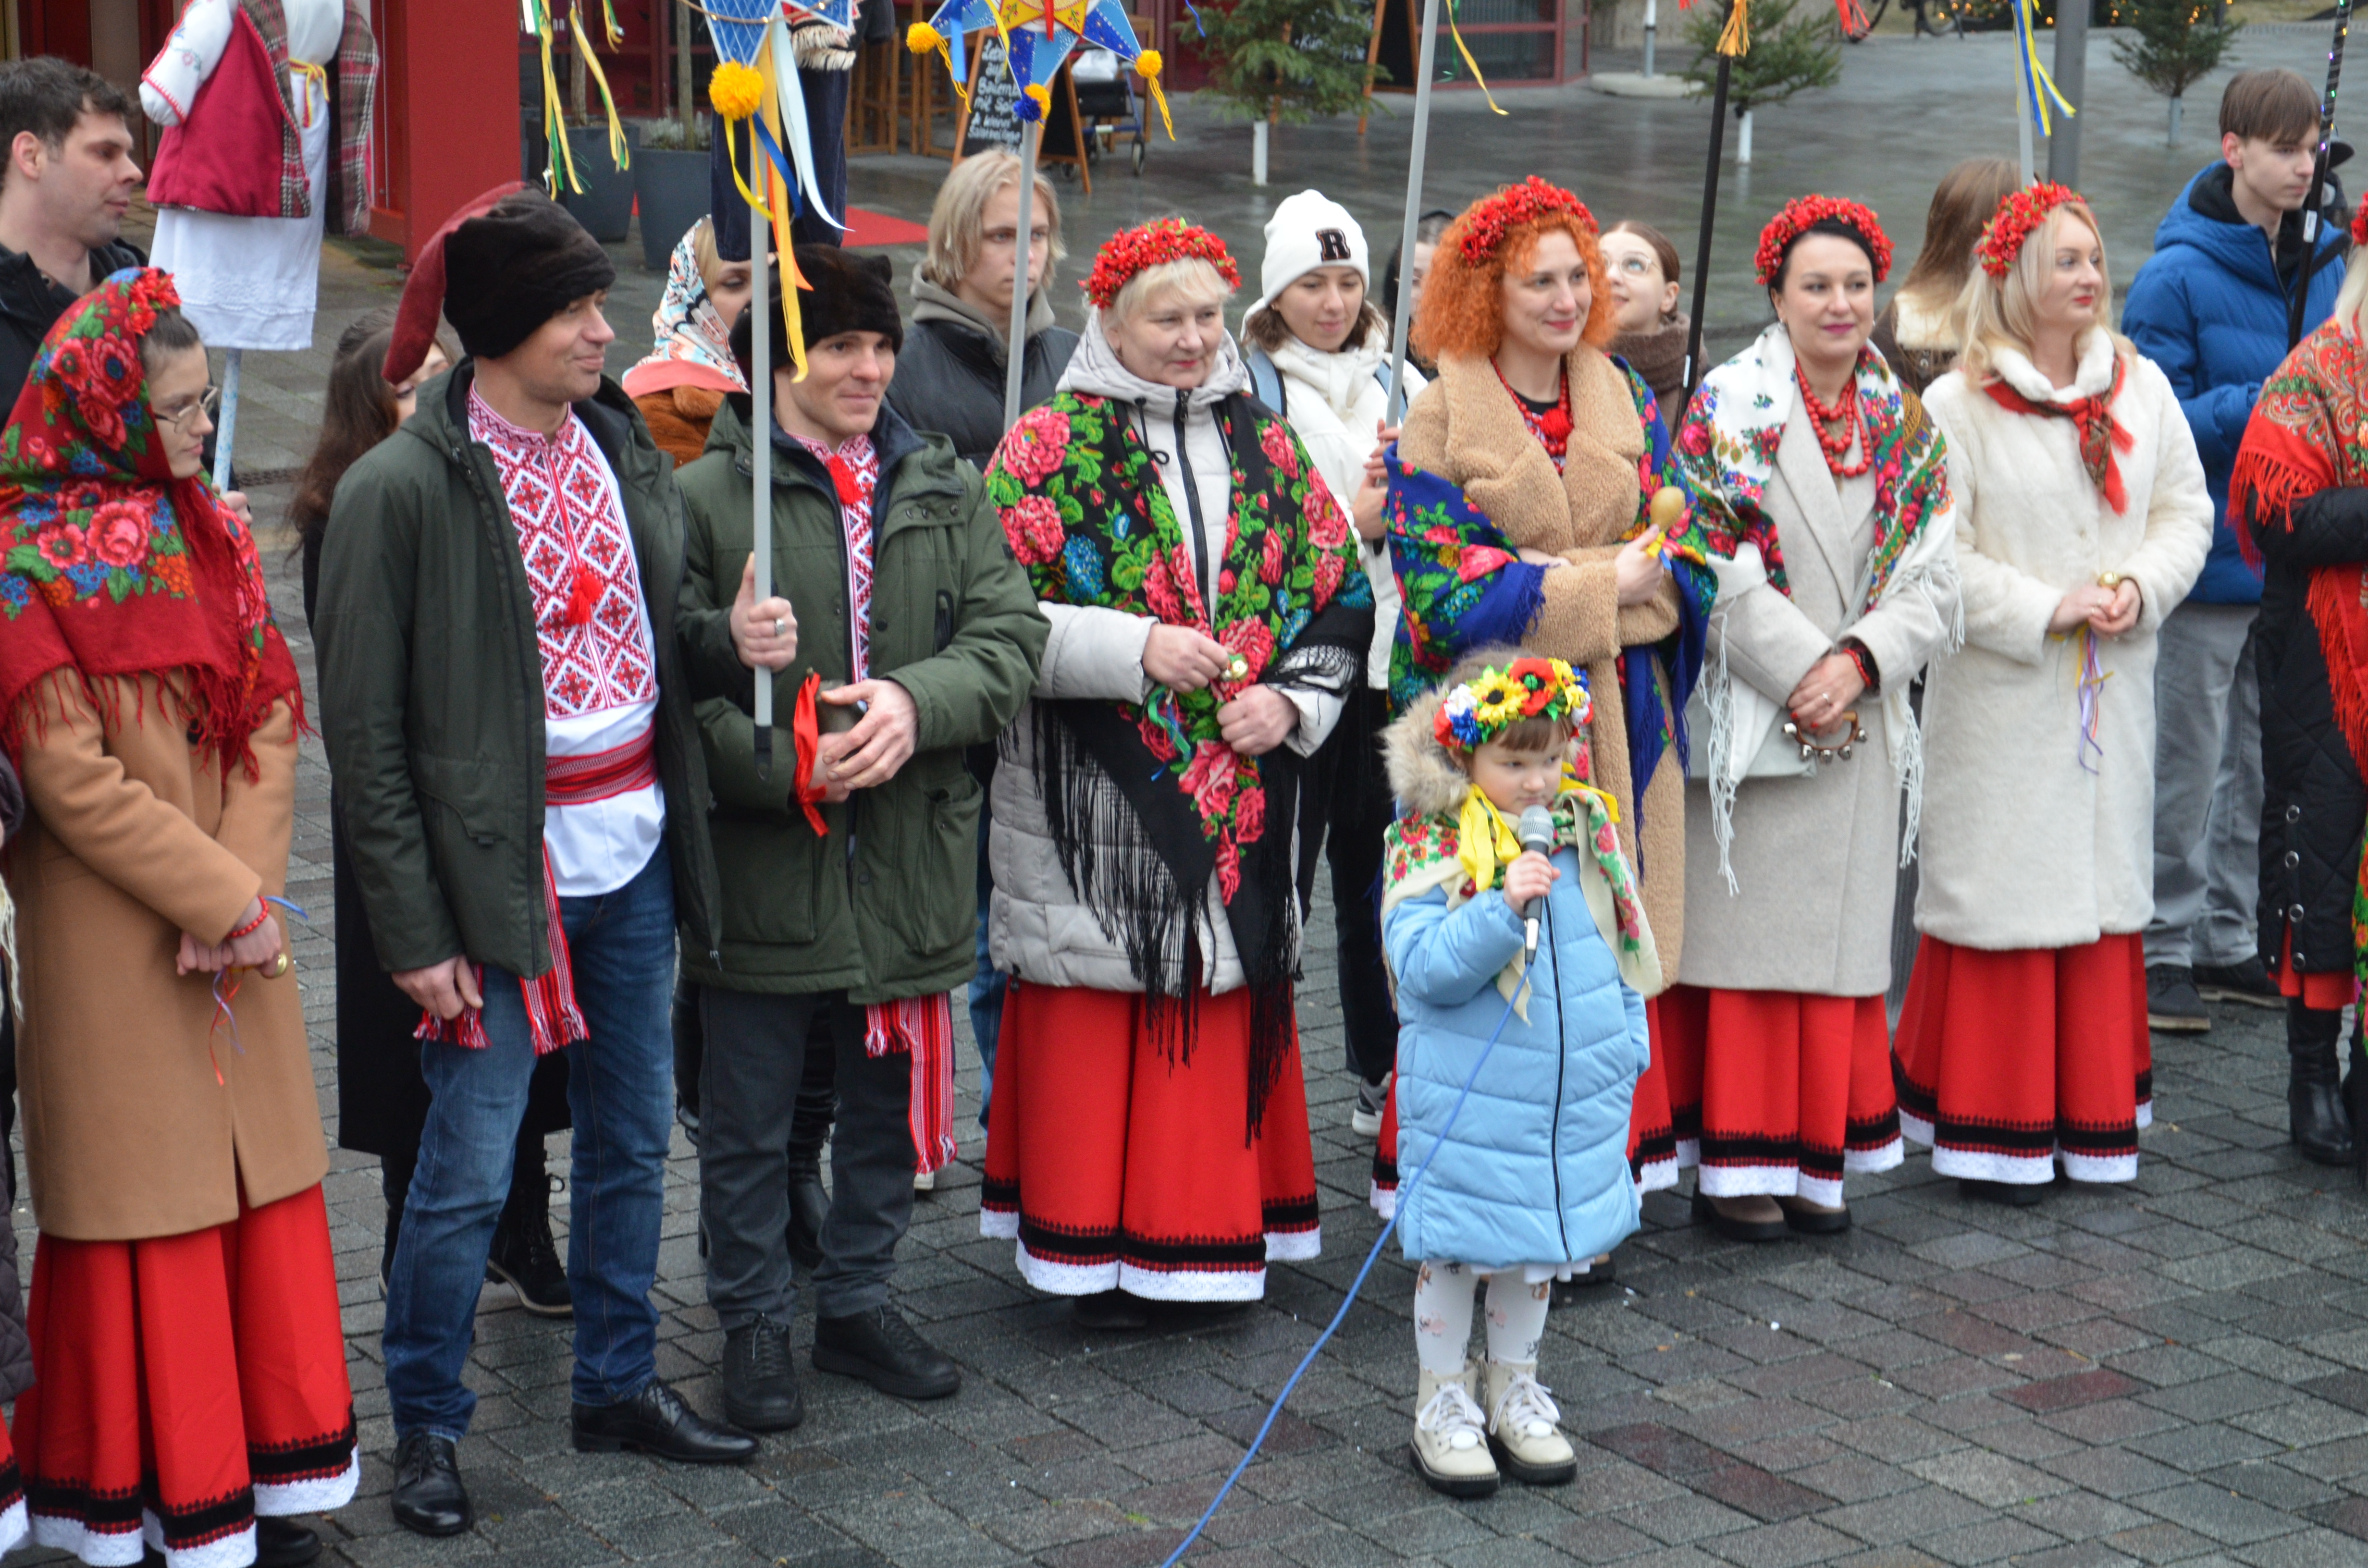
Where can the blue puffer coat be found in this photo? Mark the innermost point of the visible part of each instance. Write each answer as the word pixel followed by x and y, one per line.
pixel 1535 1168
pixel 2208 307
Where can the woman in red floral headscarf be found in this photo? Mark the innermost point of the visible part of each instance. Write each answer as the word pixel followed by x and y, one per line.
pixel 183 1312
pixel 1148 1136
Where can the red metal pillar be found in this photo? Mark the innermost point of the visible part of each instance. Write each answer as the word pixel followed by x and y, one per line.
pixel 447 119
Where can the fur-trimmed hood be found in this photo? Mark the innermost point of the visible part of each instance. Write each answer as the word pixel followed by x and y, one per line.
pixel 1424 776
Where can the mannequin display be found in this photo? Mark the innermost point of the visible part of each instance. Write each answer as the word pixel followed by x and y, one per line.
pixel 260 156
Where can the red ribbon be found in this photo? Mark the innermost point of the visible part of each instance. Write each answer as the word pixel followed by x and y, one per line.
pixel 805 731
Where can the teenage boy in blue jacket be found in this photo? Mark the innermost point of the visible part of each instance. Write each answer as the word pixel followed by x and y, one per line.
pixel 2211 308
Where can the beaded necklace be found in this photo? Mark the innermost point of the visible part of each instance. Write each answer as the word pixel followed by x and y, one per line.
pixel 1837 427
pixel 1552 426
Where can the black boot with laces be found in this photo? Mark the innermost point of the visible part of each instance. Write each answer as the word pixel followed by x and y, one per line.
pixel 524 1257
pixel 761 1382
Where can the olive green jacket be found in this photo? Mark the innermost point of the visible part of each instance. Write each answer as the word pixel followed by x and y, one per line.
pixel 884 907
pixel 432 696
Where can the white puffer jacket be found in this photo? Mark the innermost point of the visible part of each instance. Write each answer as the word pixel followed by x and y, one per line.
pixel 1037 928
pixel 1334 403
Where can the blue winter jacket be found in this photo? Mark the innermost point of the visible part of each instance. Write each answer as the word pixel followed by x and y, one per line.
pixel 2208 308
pixel 1535 1168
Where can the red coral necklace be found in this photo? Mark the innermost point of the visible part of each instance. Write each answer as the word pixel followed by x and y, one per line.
pixel 1553 427
pixel 1837 427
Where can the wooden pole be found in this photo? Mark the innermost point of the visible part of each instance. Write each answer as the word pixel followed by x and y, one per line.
pixel 1709 217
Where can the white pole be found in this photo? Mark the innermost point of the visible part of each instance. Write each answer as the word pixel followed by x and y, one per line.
pixel 1015 346
pixel 1742 143
pixel 1424 73
pixel 226 426
pixel 1652 26
pixel 760 400
pixel 1257 152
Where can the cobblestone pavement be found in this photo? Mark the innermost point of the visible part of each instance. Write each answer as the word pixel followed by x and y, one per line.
pixel 2174 1372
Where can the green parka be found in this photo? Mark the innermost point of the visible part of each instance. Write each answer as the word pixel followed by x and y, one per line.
pixel 884 907
pixel 432 694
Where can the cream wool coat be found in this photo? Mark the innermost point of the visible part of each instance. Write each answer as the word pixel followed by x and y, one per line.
pixel 1467 429
pixel 2022 846
pixel 1815 858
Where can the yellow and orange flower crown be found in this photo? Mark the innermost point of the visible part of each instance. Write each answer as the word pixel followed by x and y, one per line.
pixel 1483 707
pixel 2017 217
pixel 1798 216
pixel 1146 246
pixel 1484 223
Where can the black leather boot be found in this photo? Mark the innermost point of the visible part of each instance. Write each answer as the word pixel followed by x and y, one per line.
pixel 2322 1126
pixel 524 1257
pixel 810 1126
pixel 2355 1089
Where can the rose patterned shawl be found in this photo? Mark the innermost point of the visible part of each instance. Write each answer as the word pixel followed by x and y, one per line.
pixel 1084 508
pixel 694 342
pixel 113 567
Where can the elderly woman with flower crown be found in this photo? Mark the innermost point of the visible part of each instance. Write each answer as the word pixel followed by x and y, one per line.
pixel 1521 509
pixel 1823 485
pixel 2082 518
pixel 1148 1138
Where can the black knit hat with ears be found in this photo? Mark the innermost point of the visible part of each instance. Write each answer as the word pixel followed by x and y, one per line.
pixel 851 293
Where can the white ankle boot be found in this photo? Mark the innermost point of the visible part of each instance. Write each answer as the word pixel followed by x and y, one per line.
pixel 1524 1426
pixel 1451 1437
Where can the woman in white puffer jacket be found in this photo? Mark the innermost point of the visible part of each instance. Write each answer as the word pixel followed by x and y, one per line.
pixel 1318 352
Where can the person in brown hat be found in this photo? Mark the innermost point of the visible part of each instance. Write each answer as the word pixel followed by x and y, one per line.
pixel 519 775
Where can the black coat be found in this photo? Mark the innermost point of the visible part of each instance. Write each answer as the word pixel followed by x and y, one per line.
pixel 30 303
pixel 2313 803
pixel 950 379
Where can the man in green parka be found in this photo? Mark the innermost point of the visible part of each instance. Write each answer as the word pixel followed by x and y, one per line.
pixel 846 864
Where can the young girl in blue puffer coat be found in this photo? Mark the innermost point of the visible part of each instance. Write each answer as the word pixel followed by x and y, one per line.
pixel 1531 1179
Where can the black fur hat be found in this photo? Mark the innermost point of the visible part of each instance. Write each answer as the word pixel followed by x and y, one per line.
pixel 851 293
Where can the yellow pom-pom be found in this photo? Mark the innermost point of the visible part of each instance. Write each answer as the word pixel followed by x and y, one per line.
pixel 921 37
pixel 1042 94
pixel 1147 64
pixel 736 90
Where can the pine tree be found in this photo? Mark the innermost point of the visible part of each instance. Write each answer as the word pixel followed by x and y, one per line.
pixel 1789 54
pixel 1287 61
pixel 2179 43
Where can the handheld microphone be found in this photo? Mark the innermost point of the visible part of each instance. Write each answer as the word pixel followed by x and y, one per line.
pixel 1537 832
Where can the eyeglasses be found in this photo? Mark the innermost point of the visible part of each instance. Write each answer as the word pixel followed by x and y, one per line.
pixel 1638 265
pixel 208 400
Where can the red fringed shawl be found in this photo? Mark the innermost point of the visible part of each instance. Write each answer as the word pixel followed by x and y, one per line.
pixel 2100 435
pixel 2306 434
pixel 114 567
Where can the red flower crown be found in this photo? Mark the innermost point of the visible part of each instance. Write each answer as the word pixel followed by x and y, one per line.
pixel 1146 246
pixel 1482 228
pixel 2011 226
pixel 2359 224
pixel 1801 213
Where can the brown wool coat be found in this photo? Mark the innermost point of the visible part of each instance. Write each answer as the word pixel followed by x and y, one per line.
pixel 1465 427
pixel 132 840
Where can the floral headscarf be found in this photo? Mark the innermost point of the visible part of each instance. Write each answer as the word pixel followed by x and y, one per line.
pixel 113 567
pixel 694 341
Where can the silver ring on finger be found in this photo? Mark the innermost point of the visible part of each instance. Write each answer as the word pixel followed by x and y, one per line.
pixel 778 624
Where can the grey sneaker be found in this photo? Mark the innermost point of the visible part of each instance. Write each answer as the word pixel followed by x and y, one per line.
pixel 2173 1004
pixel 1365 1120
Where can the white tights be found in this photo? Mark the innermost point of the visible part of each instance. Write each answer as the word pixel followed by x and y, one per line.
pixel 1442 1317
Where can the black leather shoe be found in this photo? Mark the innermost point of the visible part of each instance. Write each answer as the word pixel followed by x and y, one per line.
pixel 1735 1229
pixel 2013 1194
pixel 809 1206
pixel 284 1543
pixel 760 1381
pixel 2316 1116
pixel 883 1349
pixel 524 1257
pixel 428 1498
pixel 1111 1309
pixel 656 1421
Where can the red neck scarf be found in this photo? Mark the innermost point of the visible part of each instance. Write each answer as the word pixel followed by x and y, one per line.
pixel 114 567
pixel 2100 438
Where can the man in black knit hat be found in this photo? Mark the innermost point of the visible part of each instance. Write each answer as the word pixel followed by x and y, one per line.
pixel 524 795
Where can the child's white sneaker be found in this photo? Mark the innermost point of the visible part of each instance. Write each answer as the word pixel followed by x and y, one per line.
pixel 1451 1436
pixel 1524 1426
pixel 1365 1118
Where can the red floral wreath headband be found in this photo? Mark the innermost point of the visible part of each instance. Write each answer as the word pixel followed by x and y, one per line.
pixel 1482 228
pixel 1802 213
pixel 1137 250
pixel 2017 219
pixel 2359 224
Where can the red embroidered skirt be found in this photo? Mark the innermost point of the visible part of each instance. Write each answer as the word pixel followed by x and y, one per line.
pixel 1780 1092
pixel 2008 1061
pixel 2322 991
pixel 187 1384
pixel 1117 1168
pixel 1652 1138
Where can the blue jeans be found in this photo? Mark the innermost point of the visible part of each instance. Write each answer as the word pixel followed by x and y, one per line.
pixel 986 986
pixel 619 1087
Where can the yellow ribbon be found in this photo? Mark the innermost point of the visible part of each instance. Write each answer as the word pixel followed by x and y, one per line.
pixel 2043 85
pixel 313 75
pixel 619 152
pixel 1472 65
pixel 1735 38
pixel 1483 840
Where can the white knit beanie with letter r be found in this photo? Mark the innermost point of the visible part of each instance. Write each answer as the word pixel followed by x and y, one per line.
pixel 1308 231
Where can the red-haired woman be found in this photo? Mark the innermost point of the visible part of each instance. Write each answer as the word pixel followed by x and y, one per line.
pixel 1520 494
pixel 1148 1136
pixel 2082 517
pixel 1824 485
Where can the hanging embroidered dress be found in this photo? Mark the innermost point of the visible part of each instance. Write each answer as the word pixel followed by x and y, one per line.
pixel 1780 1074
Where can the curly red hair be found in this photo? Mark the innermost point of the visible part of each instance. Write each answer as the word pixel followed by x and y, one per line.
pixel 1462 313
